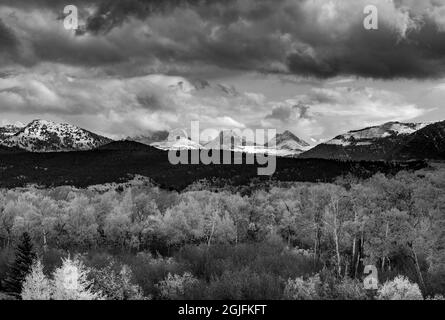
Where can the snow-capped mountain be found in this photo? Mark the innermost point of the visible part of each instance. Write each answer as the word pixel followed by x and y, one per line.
pixel 226 140
pixel 177 140
pixel 48 136
pixel 372 143
pixel 370 135
pixel 229 140
pixel 282 145
pixel 287 144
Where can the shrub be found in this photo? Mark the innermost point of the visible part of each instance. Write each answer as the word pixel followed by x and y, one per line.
pixel 436 283
pixel 175 287
pixel 350 289
pixel 148 271
pixel 4 296
pixel 211 262
pixel 400 288
pixel 301 289
pixel 437 297
pixel 116 285
pixel 245 284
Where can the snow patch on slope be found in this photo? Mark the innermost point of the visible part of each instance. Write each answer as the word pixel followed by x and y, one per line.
pixel 180 144
pixel 368 135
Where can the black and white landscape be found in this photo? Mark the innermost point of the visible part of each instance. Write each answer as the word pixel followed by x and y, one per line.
pixel 97 98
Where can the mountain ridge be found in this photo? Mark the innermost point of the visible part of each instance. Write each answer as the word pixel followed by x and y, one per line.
pixel 48 136
pixel 370 143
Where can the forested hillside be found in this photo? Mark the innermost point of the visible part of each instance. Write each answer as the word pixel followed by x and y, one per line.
pixel 119 161
pixel 241 242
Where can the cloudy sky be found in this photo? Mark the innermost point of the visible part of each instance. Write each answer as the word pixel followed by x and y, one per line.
pixel 138 66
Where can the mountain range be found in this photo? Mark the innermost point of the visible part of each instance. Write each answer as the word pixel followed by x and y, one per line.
pixel 390 141
pixel 283 144
pixel 229 140
pixel 177 140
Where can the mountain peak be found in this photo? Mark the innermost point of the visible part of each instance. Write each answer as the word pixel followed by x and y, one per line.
pixel 288 141
pixel 49 136
pixel 228 140
pixel 288 135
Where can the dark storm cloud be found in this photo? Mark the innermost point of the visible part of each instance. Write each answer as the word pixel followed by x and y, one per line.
pixel 311 38
pixel 111 14
pixel 377 54
pixel 8 43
